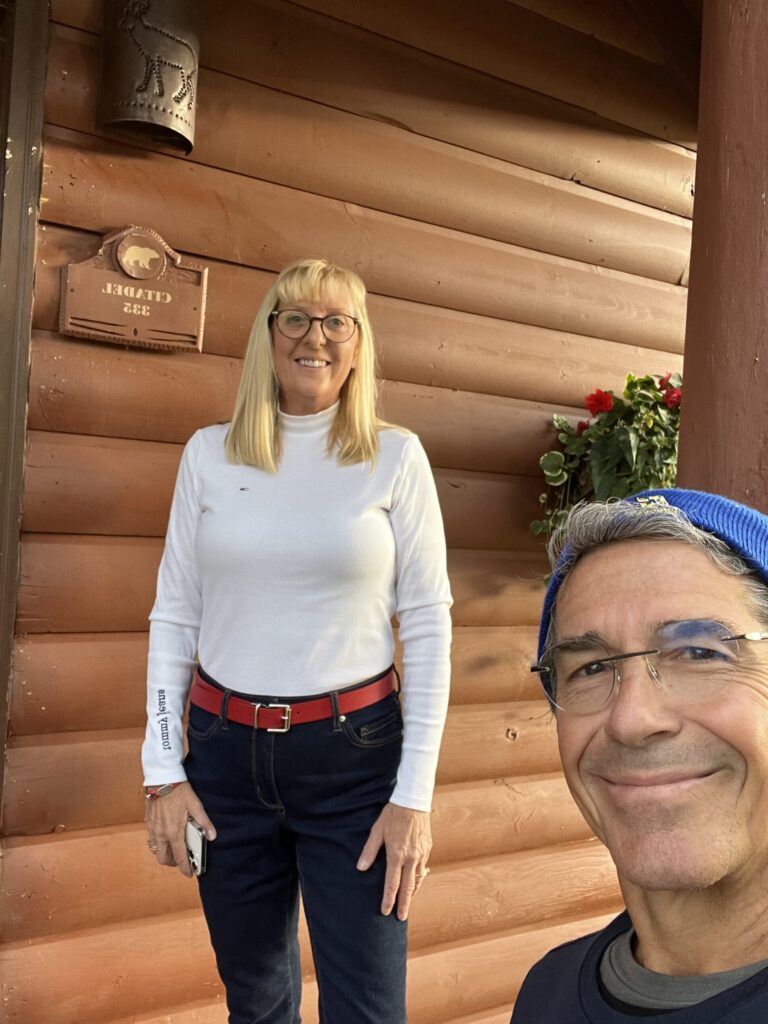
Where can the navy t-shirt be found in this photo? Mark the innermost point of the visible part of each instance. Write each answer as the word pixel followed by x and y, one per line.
pixel 563 988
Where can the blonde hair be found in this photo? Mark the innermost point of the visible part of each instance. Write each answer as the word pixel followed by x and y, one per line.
pixel 254 434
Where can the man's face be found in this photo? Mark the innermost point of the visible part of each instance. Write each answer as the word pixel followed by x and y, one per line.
pixel 678 791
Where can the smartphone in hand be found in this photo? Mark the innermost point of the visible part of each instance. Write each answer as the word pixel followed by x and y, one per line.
pixel 197 846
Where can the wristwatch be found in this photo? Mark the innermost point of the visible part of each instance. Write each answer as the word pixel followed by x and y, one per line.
pixel 153 792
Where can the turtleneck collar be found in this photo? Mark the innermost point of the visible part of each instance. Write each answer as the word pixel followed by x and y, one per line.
pixel 316 423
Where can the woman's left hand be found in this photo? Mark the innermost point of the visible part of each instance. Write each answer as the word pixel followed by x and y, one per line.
pixel 406 836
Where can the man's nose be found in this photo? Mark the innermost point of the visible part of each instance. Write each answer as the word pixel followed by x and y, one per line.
pixel 641 707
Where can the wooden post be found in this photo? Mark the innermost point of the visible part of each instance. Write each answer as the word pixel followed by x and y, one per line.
pixel 23 48
pixel 724 430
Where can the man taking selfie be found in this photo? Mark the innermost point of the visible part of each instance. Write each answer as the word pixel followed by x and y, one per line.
pixel 653 652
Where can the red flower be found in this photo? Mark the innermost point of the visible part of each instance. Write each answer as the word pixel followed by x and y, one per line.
pixel 599 401
pixel 671 397
pixel 664 382
pixel 581 426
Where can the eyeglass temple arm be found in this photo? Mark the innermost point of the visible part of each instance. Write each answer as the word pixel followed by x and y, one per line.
pixel 616 657
pixel 636 654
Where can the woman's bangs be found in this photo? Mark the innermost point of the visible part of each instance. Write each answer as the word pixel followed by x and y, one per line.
pixel 320 284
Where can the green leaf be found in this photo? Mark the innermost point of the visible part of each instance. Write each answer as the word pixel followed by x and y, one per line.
pixel 537 527
pixel 604 460
pixel 556 481
pixel 628 440
pixel 552 463
pixel 622 486
pixel 646 396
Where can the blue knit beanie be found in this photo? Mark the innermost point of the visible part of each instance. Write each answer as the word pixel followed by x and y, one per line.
pixel 743 529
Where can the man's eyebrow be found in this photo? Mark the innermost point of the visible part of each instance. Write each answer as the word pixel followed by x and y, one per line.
pixel 720 624
pixel 581 642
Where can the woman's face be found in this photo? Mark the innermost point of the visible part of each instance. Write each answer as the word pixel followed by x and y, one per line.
pixel 311 371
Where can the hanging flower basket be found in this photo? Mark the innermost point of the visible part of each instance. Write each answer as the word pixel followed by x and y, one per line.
pixel 628 444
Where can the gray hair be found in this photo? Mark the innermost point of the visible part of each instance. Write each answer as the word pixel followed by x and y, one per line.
pixel 593 524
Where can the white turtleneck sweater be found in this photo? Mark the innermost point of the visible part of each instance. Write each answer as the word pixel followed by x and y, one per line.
pixel 284 584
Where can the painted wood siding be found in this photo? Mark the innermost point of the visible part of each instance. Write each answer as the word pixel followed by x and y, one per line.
pixel 513 181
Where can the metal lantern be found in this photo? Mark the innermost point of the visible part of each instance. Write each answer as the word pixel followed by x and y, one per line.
pixel 150 70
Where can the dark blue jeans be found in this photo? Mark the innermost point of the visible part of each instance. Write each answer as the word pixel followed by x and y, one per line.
pixel 292 812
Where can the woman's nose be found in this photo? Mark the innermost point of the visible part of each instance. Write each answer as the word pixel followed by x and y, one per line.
pixel 315 334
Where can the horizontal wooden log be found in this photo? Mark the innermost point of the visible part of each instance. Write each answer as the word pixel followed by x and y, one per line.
pixel 485 971
pixel 494 588
pixel 80 483
pixel 487 895
pixel 214 1011
pixel 123 978
pixel 489 818
pixel 499 1015
pixel 467 191
pixel 396 256
pixel 65 781
pixel 102 876
pixel 417 343
pixel 495 740
pixel 605 20
pixel 492 664
pixel 86 388
pixel 78 681
pixel 503 815
pixel 75 483
pixel 502 120
pixel 75 584
pixel 524 48
pixel 70 682
pixel 107 878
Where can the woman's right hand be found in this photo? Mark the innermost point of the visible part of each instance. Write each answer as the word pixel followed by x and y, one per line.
pixel 166 821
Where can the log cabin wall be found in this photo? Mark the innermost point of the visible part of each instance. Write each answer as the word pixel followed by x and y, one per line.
pixel 513 181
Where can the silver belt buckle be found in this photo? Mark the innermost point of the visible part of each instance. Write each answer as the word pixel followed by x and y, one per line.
pixel 286 709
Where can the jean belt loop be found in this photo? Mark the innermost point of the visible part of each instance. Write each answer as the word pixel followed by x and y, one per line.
pixel 224 712
pixel 337 716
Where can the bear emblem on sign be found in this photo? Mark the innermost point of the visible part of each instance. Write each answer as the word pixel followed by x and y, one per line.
pixel 140 256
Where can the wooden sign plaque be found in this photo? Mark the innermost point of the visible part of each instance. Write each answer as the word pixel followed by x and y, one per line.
pixel 135 291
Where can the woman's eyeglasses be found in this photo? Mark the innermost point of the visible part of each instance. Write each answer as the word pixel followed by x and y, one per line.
pixel 292 323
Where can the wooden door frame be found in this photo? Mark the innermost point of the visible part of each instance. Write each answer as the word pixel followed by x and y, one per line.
pixel 24 52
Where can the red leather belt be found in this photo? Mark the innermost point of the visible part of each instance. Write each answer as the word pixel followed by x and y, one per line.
pixel 280 717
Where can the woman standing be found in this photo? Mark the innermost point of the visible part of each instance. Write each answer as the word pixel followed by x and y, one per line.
pixel 296 533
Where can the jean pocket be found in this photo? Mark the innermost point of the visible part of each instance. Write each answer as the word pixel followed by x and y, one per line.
pixel 202 724
pixel 385 727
